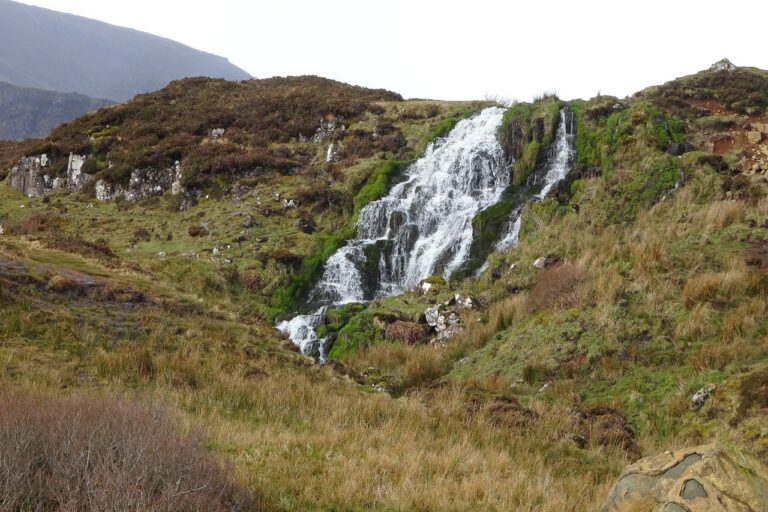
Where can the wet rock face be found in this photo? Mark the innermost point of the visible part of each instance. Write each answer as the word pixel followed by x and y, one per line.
pixel 699 479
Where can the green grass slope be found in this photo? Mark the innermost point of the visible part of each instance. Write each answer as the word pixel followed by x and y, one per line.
pixel 561 375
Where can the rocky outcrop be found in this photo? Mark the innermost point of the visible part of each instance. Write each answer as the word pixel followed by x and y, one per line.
pixel 29 176
pixel 700 479
pixel 444 318
pixel 722 65
pixel 76 178
pixel 328 126
pixel 32 176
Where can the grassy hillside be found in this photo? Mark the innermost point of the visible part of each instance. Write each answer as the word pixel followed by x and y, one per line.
pixel 561 376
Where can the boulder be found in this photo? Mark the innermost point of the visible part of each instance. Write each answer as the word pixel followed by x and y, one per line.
pixel 701 396
pixel 431 315
pixel 704 478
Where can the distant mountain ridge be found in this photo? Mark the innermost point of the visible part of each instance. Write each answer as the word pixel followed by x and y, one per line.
pixel 45 49
pixel 27 112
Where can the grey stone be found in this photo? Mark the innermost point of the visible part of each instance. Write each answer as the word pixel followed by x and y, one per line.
pixel 693 489
pixel 722 65
pixel 432 315
pixel 702 395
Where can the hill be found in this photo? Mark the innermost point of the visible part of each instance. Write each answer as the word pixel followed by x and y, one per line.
pixel 629 319
pixel 27 113
pixel 49 50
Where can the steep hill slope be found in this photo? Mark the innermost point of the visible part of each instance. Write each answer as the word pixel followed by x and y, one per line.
pixel 26 112
pixel 44 49
pixel 654 288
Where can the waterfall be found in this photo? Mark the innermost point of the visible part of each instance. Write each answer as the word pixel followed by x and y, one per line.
pixel 421 228
pixel 560 160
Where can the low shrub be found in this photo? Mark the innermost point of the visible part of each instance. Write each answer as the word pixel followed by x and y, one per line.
pixel 195 231
pixel 406 332
pixel 87 452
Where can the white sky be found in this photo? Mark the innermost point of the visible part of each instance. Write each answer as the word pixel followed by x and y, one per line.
pixel 457 49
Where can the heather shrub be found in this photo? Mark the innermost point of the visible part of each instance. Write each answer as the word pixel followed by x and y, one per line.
pixel 87 452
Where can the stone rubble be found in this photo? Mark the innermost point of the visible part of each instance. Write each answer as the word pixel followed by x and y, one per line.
pixel 701 396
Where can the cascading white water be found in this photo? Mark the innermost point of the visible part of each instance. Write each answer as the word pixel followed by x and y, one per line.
pixel 422 227
pixel 563 153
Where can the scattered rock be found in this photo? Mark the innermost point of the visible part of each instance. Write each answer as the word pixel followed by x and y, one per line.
pixel 248 221
pixel 445 322
pixel 463 301
pixel 305 225
pixel 701 396
pixel 216 133
pixel 722 65
pixel 546 261
pixel 699 479
pixel 242 236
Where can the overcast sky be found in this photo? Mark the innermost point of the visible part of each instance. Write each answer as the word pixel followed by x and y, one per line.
pixel 457 50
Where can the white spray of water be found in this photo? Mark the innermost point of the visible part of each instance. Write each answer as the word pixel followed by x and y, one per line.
pixel 422 227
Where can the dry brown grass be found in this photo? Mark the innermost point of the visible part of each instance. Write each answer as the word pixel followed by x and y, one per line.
pixel 557 287
pixel 315 445
pixel 733 283
pixel 100 453
pixel 697 323
pixel 721 214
